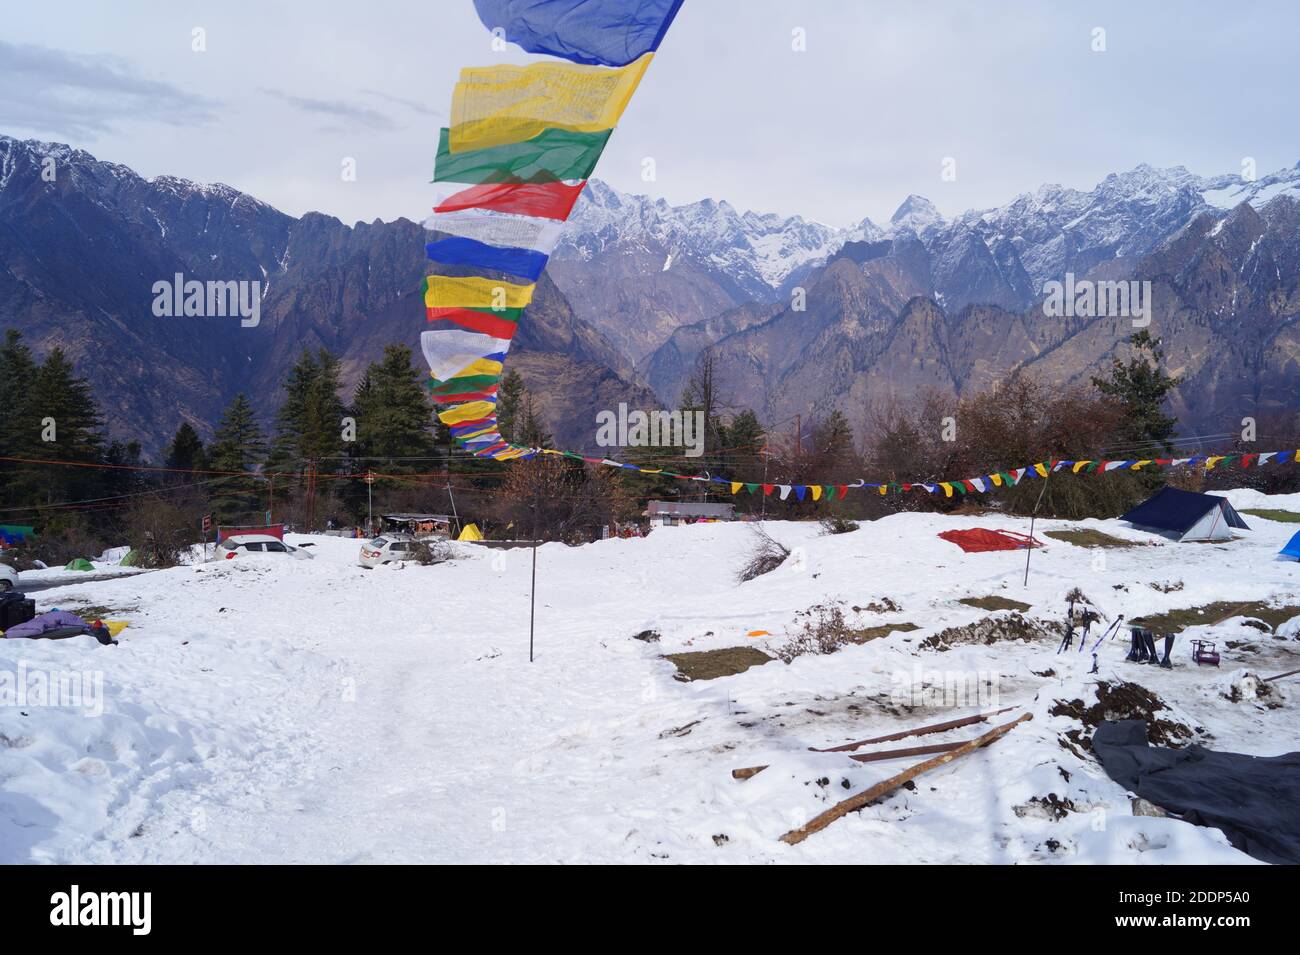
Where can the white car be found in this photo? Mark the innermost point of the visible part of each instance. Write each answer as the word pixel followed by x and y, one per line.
pixel 258 544
pixel 385 550
pixel 8 578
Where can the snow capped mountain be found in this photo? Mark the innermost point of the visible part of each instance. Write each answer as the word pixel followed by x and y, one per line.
pixel 756 250
pixel 1035 237
pixel 918 214
pixel 1224 192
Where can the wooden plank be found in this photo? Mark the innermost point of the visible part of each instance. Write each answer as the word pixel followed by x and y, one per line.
pixel 821 821
pixel 909 751
pixel 919 731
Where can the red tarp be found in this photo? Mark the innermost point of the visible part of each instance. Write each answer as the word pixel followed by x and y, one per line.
pixel 981 539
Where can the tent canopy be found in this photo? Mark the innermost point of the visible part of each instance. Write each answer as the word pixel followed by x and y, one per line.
pixel 1292 549
pixel 1191 516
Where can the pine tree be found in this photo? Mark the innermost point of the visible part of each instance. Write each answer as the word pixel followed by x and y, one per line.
pixel 1141 386
pixel 17 374
pixel 237 446
pixel 309 427
pixel 58 422
pixel 186 451
pixel 393 415
pixel 509 396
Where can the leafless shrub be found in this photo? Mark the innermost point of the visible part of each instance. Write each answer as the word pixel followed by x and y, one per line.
pixel 825 631
pixel 768 554
pixel 160 532
pixel 837 525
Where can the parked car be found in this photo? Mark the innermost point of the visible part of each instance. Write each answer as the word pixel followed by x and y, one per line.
pixel 8 578
pixel 258 544
pixel 386 549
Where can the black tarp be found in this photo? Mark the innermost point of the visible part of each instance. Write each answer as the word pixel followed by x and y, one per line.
pixel 1255 800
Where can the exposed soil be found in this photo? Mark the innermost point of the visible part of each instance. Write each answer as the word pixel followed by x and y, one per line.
pixel 1090 538
pixel 1176 621
pixel 1283 517
pixel 991 630
pixel 994 602
pixel 711 664
pixel 1122 701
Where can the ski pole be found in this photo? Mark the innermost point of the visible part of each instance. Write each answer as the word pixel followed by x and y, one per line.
pixel 1113 628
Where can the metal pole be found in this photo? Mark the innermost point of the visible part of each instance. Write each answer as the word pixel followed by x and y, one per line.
pixel 532 601
pixel 370 501
pixel 1029 549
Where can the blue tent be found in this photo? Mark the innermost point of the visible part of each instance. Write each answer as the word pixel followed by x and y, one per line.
pixel 1188 515
pixel 1292 549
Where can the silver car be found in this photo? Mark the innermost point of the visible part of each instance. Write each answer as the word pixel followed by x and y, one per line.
pixel 386 550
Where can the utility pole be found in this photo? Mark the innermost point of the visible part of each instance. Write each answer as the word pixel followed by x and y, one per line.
pixel 370 501
pixel 454 516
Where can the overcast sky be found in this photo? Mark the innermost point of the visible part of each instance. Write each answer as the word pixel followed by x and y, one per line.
pixel 1012 91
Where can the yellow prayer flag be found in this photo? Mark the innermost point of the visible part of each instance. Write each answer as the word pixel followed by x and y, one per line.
pixel 947 488
pixel 496 105
pixel 474 291
pixel 1041 469
pixel 817 492
pixel 470 411
pixel 736 486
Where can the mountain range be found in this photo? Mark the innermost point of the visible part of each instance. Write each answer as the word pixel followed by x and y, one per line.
pixel 805 316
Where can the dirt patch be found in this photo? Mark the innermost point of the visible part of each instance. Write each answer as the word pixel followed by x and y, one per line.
pixel 711 664
pixel 1051 807
pixel 883 605
pixel 1176 621
pixel 1089 538
pixel 885 629
pixel 994 602
pixel 991 630
pixel 99 612
pixel 1282 517
pixel 1122 701
pixel 1250 687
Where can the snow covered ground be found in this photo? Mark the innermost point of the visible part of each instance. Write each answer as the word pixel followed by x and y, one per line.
pixel 273 710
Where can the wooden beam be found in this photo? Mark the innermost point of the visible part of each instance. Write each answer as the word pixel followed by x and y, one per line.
pixel 919 731
pixel 853 803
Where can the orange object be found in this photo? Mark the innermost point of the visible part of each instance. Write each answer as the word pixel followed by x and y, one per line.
pixel 759 633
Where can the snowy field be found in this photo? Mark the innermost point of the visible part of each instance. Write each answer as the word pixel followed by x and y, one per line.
pixel 268 710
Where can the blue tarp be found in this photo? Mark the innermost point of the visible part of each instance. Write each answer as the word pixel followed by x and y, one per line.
pixel 599 32
pixel 1174 510
pixel 1292 549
